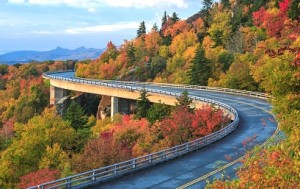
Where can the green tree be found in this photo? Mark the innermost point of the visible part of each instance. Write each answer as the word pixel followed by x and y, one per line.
pixel 54 158
pixel 239 74
pixel 294 11
pixel 206 8
pixel 200 70
pixel 216 35
pixel 221 27
pixel 37 99
pixel 164 19
pixel 143 105
pixel 157 112
pixel 184 100
pixel 142 29
pixel 3 69
pixel 130 54
pixel 225 58
pixel 28 70
pixel 167 40
pixel 174 17
pixel 207 4
pixel 154 28
pixel 158 65
pixel 75 114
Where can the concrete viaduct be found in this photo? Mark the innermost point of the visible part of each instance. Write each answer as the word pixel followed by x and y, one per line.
pixel 118 97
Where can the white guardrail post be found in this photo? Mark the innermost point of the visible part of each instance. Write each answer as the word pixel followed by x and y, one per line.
pixel 118 169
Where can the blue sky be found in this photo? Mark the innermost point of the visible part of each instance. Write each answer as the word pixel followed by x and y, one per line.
pixel 46 24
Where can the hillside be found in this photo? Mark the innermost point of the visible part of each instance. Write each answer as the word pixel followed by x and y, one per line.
pixel 59 53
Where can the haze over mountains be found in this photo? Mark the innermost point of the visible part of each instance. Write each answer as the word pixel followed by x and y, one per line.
pixel 59 53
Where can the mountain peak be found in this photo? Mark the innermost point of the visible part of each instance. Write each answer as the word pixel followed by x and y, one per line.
pixel 58 48
pixel 58 53
pixel 80 48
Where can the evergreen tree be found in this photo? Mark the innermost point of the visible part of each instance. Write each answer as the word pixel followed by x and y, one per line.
pixel 154 27
pixel 75 114
pixel 174 17
pixel 158 111
pixel 164 19
pixel 207 5
pixel 200 70
pixel 184 101
pixel 143 105
pixel 130 54
pixel 225 59
pixel 217 37
pixel 142 29
pixel 167 40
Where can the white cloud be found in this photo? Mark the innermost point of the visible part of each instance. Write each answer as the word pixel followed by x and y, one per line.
pixel 44 32
pixel 46 2
pixel 91 5
pixel 16 1
pixel 146 3
pixel 103 28
pixel 92 10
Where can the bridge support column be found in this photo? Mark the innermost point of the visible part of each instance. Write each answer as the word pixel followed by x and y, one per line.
pixel 114 106
pixel 56 94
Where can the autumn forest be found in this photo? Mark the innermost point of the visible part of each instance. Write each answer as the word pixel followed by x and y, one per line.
pixel 239 44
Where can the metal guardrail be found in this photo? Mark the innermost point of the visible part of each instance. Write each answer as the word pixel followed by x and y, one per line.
pixel 125 167
pixel 195 87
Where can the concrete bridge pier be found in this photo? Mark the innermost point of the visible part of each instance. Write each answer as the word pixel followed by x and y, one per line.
pixel 110 105
pixel 114 106
pixel 56 94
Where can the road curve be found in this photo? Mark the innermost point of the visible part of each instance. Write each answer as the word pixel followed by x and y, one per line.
pixel 256 125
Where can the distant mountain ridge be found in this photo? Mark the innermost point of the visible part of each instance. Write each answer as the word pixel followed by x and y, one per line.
pixel 59 53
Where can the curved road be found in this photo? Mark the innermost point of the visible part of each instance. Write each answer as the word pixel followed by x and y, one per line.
pixel 256 126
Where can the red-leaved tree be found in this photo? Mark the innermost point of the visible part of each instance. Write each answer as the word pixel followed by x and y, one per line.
pixel 207 120
pixel 272 19
pixel 128 132
pixel 100 152
pixel 284 5
pixel 176 128
pixel 38 177
pixel 258 17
